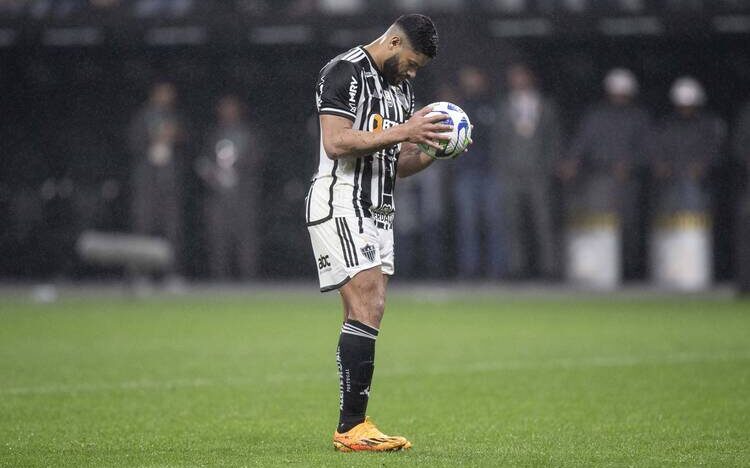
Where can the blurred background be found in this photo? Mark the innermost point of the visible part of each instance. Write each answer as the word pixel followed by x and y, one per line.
pixel 175 139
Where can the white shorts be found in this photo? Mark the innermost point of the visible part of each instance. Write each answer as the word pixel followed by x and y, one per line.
pixel 341 250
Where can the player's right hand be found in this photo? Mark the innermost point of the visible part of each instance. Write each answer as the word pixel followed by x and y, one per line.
pixel 424 129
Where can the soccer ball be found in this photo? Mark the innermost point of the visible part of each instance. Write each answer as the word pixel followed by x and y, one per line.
pixel 457 140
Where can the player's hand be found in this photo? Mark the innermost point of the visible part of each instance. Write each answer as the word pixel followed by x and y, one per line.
pixel 424 129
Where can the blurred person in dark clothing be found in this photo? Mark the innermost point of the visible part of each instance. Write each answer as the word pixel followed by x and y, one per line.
pixel 687 147
pixel 420 234
pixel 475 187
pixel 687 144
pixel 157 135
pixel 601 164
pixel 526 148
pixel 231 170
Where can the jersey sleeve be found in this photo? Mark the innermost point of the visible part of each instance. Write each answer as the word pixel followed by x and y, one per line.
pixel 339 88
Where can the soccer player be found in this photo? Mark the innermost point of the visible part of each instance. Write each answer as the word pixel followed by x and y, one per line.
pixel 369 135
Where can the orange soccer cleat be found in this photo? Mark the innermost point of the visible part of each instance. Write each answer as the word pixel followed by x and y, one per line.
pixel 365 437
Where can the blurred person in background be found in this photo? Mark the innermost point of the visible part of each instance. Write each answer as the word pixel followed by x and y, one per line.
pixel 476 190
pixel 420 232
pixel 741 152
pixel 688 144
pixel 231 170
pixel 526 148
pixel 157 135
pixel 605 153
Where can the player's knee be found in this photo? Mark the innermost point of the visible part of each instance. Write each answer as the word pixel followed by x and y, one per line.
pixel 375 296
pixel 364 297
pixel 368 309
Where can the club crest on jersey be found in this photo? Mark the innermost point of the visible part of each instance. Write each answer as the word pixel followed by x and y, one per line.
pixel 369 252
pixel 377 123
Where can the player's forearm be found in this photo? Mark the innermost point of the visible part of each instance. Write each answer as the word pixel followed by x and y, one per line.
pixel 350 143
pixel 412 160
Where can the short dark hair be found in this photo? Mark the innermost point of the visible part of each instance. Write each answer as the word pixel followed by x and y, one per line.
pixel 421 32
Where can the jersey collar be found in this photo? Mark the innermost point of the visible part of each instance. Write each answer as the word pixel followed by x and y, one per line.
pixel 372 62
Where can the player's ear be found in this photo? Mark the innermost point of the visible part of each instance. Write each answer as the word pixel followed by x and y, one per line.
pixel 395 42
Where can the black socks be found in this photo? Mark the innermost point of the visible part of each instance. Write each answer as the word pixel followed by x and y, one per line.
pixel 355 357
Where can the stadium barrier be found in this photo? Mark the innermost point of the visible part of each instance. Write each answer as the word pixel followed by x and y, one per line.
pixel 135 253
pixel 592 249
pixel 681 255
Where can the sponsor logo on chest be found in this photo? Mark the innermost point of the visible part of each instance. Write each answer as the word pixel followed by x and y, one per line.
pixel 378 123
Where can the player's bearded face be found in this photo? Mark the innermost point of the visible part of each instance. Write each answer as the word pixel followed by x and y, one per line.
pixel 391 70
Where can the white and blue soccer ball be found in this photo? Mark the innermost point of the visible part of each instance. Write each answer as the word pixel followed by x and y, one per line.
pixel 457 140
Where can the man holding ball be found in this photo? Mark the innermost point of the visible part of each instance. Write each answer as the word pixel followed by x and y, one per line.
pixel 370 134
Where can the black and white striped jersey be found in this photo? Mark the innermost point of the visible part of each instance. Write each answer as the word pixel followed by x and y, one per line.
pixel 351 86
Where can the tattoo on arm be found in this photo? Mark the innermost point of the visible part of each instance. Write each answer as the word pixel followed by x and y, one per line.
pixel 412 160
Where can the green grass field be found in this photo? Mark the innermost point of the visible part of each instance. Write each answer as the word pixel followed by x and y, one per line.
pixel 472 382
